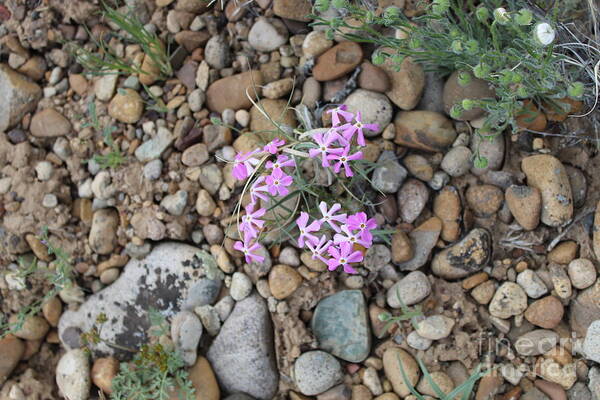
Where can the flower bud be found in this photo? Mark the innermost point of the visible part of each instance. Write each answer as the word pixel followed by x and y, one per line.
pixel 501 16
pixel 457 46
pixel 575 90
pixel 339 3
pixel 464 78
pixel 378 58
pixel 482 14
pixel 468 104
pixel 544 33
pixel 322 5
pixel 481 70
pixel 456 111
pixel 391 12
pixel 524 17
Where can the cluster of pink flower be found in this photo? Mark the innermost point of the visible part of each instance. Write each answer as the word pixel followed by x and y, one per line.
pixel 332 146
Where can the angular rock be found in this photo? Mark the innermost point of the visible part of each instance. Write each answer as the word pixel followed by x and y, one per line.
pixel 18 96
pixel 424 238
pixel 548 174
pixel 160 281
pixel 153 148
pixel 341 326
pixel 424 130
pixel 585 309
pixel 467 256
pixel 242 355
pixel 388 175
pixel 373 78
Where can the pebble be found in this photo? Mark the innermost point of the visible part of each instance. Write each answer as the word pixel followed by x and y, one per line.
pixel 585 309
pixel 49 123
pixel 209 318
pixel 457 161
pixel 447 207
pixel 484 200
pixel 388 175
pixel 205 205
pixel 484 292
pixel 104 371
pixel 186 331
pixel 533 285
pixel 196 100
pixel 545 313
pixel 217 53
pixel 127 106
pixel 564 252
pixel 103 238
pixel 490 148
pixel 552 390
pixel 560 280
pixel 552 371
pixel 296 10
pixel 311 92
pixel 454 93
pixel 242 355
pixel 267 35
pixel 375 108
pixel 579 391
pixel 44 170
pixel 49 201
pixel 153 169
pixel 582 273
pixel 525 204
pixel 105 86
pixel 33 328
pixel 412 198
pixel 230 92
pixel 418 166
pixel 424 238
pixel 373 78
pixel 469 255
pixel 18 97
pixel 202 292
pixel 153 148
pixel 402 248
pixel 579 185
pixel 441 380
pixel 340 325
pixel 283 281
pixel 411 289
pixel 11 351
pixel 224 307
pixel 315 372
pixel 417 341
pixel 546 173
pixel 536 342
pixel 73 375
pixel 150 71
pixel 534 394
pixel 424 130
pixel 241 286
pixel 407 82
pixel 204 381
pixel 289 256
pixel 337 61
pixel 393 357
pixel 195 155
pixel 509 300
pixel 315 44
pixel 279 111
pixel 591 344
pixel 435 327
pixel 175 203
pixel 372 381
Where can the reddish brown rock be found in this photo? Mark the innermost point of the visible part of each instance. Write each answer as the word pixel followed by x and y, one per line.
pixel 373 78
pixel 230 92
pixel 338 61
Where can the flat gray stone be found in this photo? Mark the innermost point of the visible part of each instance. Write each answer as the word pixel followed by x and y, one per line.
pixel 160 281
pixel 341 326
pixel 242 355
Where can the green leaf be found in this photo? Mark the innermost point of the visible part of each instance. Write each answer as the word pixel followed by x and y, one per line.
pixel 480 162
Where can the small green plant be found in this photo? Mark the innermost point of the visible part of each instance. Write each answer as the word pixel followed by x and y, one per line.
pixel 59 275
pixel 407 314
pixel 115 157
pixel 512 49
pixel 105 61
pixel 157 103
pixel 156 372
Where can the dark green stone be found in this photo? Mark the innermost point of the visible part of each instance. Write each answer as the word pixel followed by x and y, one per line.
pixel 341 325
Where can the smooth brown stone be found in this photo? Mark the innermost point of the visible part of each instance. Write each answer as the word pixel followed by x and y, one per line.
pixel 337 61
pixel 230 92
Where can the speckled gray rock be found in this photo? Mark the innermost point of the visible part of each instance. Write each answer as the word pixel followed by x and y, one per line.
pixel 341 326
pixel 465 257
pixel 579 392
pixel 242 355
pixel 594 382
pixel 316 372
pixel 389 174
pixel 186 331
pixel 417 341
pixel 424 238
pixel 509 300
pixel 435 327
pixel 202 292
pixel 216 52
pixel 411 289
pixel 73 375
pixel 412 198
pixel 536 342
pixel 591 344
pixel 375 108
pixel 160 281
pixel 457 161
pixel 241 286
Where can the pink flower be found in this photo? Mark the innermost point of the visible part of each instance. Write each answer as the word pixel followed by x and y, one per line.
pixel 282 161
pixel 351 237
pixel 350 129
pixel 318 248
pixel 249 250
pixel 340 111
pixel 305 231
pixel 244 164
pixel 257 191
pixel 251 224
pixel 363 225
pixel 343 255
pixel 330 217
pixel 278 182
pixel 324 148
pixel 273 146
pixel 343 159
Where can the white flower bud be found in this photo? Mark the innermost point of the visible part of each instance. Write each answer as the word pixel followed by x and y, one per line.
pixel 501 15
pixel 544 33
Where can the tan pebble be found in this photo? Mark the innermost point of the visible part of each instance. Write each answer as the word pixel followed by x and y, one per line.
pixel 407 82
pixel 485 200
pixel 560 280
pixel 447 207
pixel 11 351
pixel 552 390
pixel 32 347
pixel 49 123
pixel 109 276
pixel 150 71
pixel 204 380
pixel 52 309
pixel 127 106
pixel 283 281
pixel 52 337
pixel 488 387
pixel 474 280
pixel 361 392
pixel 115 260
pixel 388 396
pixel 525 204
pixel 78 83
pixel 552 371
pixel 37 247
pixel 442 380
pixel 582 273
pixel 484 292
pixel 402 248
pixel 392 359
pixel 509 300
pixel 561 355
pixel 104 371
pixel 34 327
pixel 564 252
pixel 546 312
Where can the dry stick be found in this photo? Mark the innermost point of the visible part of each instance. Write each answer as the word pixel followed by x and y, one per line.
pixel 584 213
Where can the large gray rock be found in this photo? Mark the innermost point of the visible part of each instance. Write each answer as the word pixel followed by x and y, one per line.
pixel 160 281
pixel 242 355
pixel 18 96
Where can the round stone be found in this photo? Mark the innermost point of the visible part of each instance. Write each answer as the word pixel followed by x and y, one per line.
pixel 283 281
pixel 316 371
